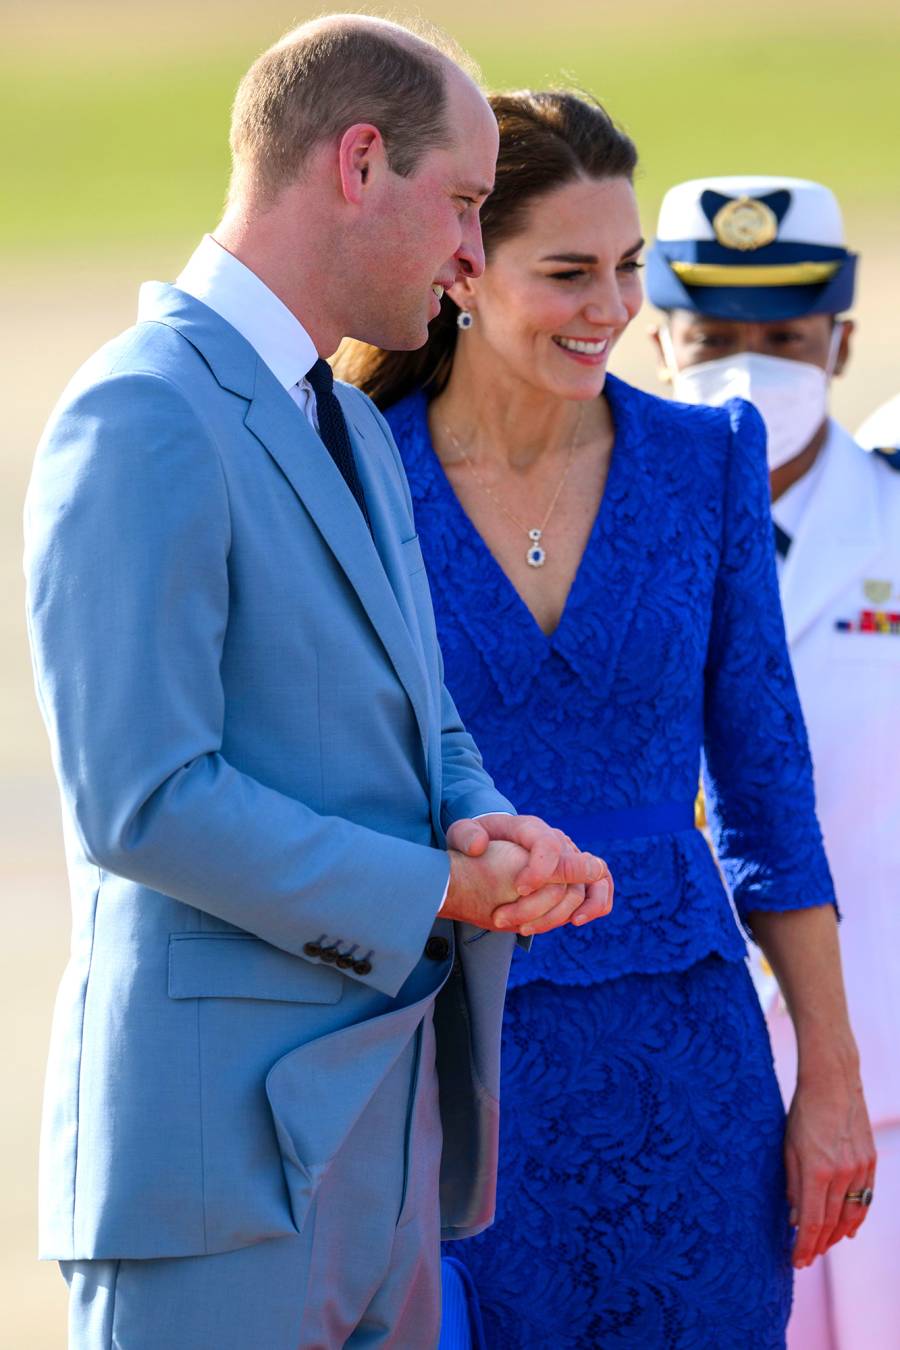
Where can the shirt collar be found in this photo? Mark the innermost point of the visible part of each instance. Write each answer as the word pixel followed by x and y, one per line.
pixel 218 279
pixel 789 510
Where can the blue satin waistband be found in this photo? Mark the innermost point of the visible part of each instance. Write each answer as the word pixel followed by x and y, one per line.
pixel 628 822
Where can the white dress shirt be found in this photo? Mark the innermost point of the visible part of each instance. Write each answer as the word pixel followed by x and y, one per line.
pixel 216 277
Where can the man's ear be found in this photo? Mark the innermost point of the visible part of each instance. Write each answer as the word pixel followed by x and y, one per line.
pixel 361 160
pixel 845 346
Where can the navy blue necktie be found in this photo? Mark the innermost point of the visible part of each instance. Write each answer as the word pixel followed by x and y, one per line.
pixel 333 430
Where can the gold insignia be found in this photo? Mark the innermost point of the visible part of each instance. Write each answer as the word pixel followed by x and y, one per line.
pixel 756 274
pixel 879 592
pixel 746 224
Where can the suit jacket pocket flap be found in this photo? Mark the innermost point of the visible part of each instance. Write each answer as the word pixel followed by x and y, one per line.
pixel 231 965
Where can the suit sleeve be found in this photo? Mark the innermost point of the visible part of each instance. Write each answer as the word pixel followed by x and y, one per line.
pixel 128 539
pixel 758 772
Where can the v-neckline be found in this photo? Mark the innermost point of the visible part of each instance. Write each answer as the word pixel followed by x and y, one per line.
pixel 481 545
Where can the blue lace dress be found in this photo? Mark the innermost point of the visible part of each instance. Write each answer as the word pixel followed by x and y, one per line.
pixel 641 1196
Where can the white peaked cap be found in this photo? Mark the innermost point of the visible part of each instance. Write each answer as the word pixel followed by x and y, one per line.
pixel 813 216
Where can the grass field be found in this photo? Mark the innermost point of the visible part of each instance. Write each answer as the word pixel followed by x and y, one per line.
pixel 110 146
pixel 114 161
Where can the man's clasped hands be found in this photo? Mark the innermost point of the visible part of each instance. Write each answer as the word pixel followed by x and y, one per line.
pixel 518 874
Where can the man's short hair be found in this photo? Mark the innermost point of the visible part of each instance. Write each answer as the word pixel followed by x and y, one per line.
pixel 325 77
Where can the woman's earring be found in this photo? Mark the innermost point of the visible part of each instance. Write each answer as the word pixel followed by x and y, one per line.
pixel 464 319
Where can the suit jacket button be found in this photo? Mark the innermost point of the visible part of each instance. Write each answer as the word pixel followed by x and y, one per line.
pixel 344 963
pixel 437 948
pixel 329 954
pixel 312 949
pixel 362 967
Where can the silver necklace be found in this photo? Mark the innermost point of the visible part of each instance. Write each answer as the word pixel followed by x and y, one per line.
pixel 536 555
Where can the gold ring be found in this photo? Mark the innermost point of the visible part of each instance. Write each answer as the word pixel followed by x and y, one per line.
pixel 863 1197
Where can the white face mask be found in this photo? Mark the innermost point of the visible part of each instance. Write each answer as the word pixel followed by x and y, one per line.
pixel 791 396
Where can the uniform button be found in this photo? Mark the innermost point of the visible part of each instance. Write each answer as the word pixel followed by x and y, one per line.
pixel 362 967
pixel 437 949
pixel 312 949
pixel 329 954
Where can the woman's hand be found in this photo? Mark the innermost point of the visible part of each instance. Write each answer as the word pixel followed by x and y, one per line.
pixel 828 1151
pixel 585 887
pixel 828 1147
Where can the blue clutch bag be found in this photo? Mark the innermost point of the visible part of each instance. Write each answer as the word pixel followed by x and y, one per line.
pixel 461 1326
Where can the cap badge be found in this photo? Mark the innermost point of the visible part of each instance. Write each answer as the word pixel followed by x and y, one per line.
pixel 745 223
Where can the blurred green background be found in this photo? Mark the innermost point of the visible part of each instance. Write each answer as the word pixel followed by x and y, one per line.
pixel 116 142
pixel 114 125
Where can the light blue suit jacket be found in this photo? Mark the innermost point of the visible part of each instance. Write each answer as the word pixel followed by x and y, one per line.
pixel 256 751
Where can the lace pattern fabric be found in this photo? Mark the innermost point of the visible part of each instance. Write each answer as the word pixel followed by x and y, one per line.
pixel 641 1200
pixel 670 652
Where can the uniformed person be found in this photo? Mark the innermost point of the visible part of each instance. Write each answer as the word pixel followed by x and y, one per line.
pixel 880 432
pixel 754 278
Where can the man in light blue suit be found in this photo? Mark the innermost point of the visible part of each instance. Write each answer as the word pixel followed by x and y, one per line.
pixel 276 1040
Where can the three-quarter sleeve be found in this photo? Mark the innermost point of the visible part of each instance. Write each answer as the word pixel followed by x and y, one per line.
pixel 757 771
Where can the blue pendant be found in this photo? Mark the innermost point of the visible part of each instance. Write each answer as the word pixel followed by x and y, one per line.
pixel 535 557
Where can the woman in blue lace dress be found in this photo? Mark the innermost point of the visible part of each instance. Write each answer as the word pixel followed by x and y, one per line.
pixel 606 601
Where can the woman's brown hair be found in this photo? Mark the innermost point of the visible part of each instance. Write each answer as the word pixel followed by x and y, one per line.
pixel 546 141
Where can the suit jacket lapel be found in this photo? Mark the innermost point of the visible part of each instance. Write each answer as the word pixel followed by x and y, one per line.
pixel 839 532
pixel 384 515
pixel 278 424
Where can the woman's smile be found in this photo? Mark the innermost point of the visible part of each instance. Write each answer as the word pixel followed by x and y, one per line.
pixel 587 351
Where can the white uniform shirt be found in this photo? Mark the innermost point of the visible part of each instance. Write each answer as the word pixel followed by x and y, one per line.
pixel 881 429
pixel 841 574
pixel 789 510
